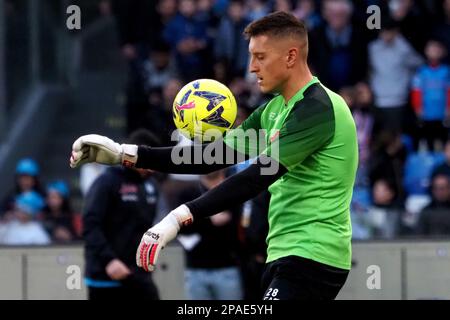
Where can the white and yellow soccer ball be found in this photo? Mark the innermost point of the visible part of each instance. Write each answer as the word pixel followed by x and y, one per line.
pixel 204 109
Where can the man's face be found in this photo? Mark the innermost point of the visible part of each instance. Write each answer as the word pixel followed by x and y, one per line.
pixel 388 35
pixel 337 14
pixel 441 189
pixel 235 11
pixel 268 62
pixel 434 51
pixel 187 8
pixel 54 200
pixel 26 182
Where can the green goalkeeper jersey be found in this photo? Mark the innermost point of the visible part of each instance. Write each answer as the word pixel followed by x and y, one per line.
pixel 314 137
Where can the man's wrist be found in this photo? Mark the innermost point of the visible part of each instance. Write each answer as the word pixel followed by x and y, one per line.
pixel 129 155
pixel 183 215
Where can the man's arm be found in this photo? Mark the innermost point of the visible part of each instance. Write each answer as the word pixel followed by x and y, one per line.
pixel 189 159
pixel 178 159
pixel 234 190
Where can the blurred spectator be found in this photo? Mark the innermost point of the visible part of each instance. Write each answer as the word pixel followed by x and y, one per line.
pixel 140 26
pixel 359 208
pixel 241 91
pixel 361 109
pixel 306 10
pixel 166 9
pixel 254 227
pixel 412 21
pixel 283 5
pixel 444 168
pixel 211 247
pixel 158 116
pixel 359 99
pixel 442 29
pixel 392 62
pixel 418 170
pixel 208 16
pixel 362 113
pixel 386 213
pixel 388 157
pixel 256 9
pixel 57 215
pixel 133 19
pixel 435 218
pixel 220 7
pixel 26 179
pixel 22 228
pixel 189 40
pixel 119 207
pixel 230 47
pixel 431 95
pixel 104 7
pixel 348 94
pixel 88 173
pixel 158 68
pixel 338 50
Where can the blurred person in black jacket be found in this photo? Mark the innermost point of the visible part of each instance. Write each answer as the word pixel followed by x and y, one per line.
pixel 211 246
pixel 119 206
pixel 338 48
pixel 435 217
pixel 443 168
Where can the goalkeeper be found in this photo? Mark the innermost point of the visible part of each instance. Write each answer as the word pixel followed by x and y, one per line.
pixel 309 239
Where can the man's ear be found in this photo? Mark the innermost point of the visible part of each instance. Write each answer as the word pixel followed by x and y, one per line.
pixel 292 57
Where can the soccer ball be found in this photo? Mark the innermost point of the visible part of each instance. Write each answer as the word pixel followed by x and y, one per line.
pixel 204 109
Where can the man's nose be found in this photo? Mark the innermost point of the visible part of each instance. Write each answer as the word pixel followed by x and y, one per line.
pixel 253 67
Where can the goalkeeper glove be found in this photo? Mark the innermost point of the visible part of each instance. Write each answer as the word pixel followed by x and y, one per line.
pixel 96 148
pixel 159 235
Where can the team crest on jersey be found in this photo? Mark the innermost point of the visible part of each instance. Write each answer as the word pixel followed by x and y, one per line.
pixel 272 116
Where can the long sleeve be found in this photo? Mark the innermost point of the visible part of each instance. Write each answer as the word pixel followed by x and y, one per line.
pixel 195 159
pixel 236 189
pixel 96 209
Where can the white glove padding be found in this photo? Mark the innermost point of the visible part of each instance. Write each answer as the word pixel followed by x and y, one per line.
pixel 159 235
pixel 100 149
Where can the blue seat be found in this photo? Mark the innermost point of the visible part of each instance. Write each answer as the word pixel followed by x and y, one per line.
pixel 418 169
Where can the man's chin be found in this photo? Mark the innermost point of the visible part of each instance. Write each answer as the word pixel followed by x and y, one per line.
pixel 264 89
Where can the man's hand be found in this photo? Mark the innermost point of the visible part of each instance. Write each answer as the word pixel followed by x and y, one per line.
pixel 159 235
pixel 117 270
pixel 100 149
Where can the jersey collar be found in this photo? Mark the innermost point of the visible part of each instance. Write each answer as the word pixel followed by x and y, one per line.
pixel 299 94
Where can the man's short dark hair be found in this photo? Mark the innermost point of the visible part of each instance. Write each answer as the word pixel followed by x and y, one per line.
pixel 278 24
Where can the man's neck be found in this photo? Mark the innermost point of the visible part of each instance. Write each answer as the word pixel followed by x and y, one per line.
pixel 295 84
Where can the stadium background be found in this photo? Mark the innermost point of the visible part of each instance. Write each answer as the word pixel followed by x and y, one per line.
pixel 121 70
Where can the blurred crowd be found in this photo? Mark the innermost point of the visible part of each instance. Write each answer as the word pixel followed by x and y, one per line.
pixel 33 214
pixel 395 79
